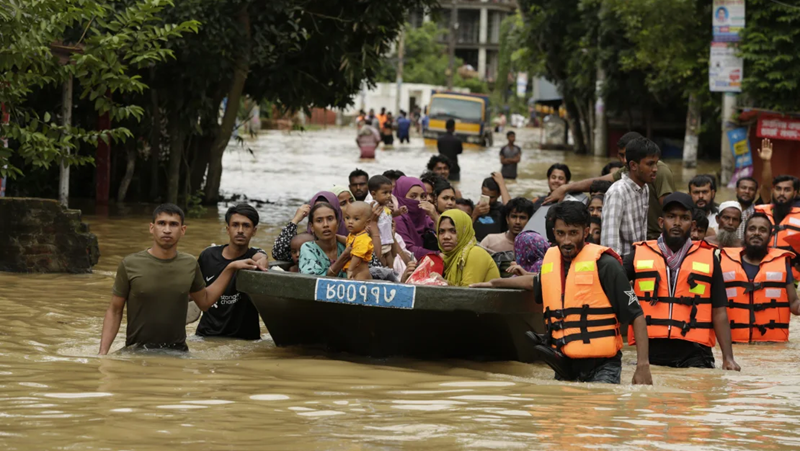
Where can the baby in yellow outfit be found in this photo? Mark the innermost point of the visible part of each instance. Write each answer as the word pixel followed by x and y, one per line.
pixel 356 218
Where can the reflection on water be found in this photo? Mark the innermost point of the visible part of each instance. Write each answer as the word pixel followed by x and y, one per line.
pixel 56 394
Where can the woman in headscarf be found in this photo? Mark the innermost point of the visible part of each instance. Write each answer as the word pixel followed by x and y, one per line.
pixel 465 262
pixel 344 194
pixel 282 250
pixel 529 249
pixel 414 225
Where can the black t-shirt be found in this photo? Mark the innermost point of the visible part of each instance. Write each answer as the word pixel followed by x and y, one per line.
pixel 752 270
pixel 493 222
pixel 451 147
pixel 233 315
pixel 619 292
pixel 674 350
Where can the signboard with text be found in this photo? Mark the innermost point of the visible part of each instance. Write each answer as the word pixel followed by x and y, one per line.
pixel 725 68
pixel 778 127
pixel 743 158
pixel 728 20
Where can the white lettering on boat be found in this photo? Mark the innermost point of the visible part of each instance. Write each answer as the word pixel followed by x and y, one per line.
pixel 365 293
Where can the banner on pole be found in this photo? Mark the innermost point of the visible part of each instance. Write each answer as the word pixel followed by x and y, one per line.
pixel 728 20
pixel 742 156
pixel 522 84
pixel 725 68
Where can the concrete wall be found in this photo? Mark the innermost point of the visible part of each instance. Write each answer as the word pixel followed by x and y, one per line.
pixel 38 235
pixel 383 95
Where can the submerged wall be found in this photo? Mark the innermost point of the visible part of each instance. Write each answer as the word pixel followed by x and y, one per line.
pixel 38 235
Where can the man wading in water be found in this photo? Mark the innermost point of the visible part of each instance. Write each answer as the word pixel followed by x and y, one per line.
pixel 156 284
pixel 234 315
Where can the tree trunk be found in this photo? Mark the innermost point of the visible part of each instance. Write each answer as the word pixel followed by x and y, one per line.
pixel 175 155
pixel 130 166
pixel 584 127
pixel 241 67
pixel 574 115
pixel 692 132
pixel 155 141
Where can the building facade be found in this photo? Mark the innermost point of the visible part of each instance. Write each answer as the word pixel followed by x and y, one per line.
pixel 478 32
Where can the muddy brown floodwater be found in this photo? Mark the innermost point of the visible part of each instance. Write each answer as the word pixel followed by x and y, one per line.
pixel 55 393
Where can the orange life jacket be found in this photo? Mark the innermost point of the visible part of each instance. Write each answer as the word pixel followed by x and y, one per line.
pixel 758 309
pixel 788 227
pixel 686 312
pixel 580 320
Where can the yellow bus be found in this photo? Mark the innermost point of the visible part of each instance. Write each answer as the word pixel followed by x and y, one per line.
pixel 470 112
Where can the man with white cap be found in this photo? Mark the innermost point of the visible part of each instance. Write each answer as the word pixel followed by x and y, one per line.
pixel 729 216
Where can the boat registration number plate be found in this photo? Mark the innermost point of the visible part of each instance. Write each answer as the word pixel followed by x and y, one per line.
pixel 387 295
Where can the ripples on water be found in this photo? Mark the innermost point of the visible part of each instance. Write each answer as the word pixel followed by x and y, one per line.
pixel 56 394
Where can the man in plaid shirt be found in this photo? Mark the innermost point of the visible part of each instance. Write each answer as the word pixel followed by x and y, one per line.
pixel 626 202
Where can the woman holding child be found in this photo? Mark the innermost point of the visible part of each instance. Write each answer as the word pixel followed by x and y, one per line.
pixel 325 256
pixel 282 250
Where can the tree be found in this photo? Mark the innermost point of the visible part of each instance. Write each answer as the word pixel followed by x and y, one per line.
pixel 769 49
pixel 425 60
pixel 102 44
pixel 670 45
pixel 294 53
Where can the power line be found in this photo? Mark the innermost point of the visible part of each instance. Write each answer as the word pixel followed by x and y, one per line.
pixel 785 4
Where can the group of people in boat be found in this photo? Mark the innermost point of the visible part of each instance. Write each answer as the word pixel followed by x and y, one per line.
pixel 635 252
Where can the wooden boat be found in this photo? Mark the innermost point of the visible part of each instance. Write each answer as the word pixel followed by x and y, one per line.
pixel 381 319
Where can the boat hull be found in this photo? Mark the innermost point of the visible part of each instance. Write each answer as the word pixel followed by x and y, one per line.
pixel 443 323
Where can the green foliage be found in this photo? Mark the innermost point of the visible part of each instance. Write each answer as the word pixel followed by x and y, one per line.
pixel 771 61
pixel 670 43
pixel 104 45
pixel 425 60
pixel 194 205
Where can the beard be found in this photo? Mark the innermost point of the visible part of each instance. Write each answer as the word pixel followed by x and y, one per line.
pixel 755 252
pixel 780 209
pixel 727 239
pixel 675 242
pixel 744 203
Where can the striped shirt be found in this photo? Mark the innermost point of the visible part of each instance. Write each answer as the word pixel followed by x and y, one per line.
pixel 624 215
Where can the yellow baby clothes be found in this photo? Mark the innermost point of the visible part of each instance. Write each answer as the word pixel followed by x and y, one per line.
pixel 362 247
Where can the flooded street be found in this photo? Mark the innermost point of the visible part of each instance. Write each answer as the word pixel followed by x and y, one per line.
pixel 55 393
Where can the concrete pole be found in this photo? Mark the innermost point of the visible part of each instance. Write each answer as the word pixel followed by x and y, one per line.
pixel 451 67
pixel 66 121
pixel 726 156
pixel 692 131
pixel 483 34
pixel 400 48
pixel 600 124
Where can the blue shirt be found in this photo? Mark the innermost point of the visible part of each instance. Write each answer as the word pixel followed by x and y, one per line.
pixel 403 125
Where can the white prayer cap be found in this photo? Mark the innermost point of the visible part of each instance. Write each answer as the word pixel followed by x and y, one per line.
pixel 729 204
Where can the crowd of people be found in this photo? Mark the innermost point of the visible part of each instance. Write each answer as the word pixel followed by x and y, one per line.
pixel 682 271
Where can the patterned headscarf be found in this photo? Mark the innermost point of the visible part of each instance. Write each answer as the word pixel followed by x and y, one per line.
pixel 529 249
pixel 455 259
pixel 339 189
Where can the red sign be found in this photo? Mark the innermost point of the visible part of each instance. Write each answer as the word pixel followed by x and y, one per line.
pixel 778 127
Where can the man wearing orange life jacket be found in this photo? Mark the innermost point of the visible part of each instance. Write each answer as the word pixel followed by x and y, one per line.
pixel 585 295
pixel 760 286
pixel 784 216
pixel 679 285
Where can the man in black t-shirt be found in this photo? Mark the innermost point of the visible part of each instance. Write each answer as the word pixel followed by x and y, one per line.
pixel 233 315
pixel 488 217
pixel 450 146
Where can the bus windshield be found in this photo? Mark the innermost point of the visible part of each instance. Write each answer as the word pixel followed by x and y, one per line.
pixel 446 108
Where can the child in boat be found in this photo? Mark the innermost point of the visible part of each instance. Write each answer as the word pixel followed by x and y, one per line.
pixel 380 188
pixel 296 243
pixel 356 219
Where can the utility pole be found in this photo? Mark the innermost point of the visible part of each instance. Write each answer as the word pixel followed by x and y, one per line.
pixel 600 139
pixel 66 121
pixel 451 68
pixel 400 48
pixel 726 156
